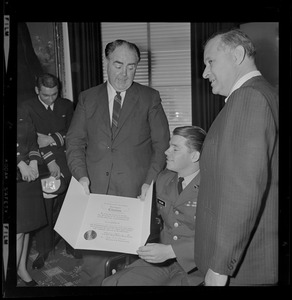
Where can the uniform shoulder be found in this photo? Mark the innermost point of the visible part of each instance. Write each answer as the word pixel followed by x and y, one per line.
pixel 65 101
pixel 166 175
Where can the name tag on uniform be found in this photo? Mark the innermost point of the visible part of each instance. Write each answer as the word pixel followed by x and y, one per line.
pixel 161 202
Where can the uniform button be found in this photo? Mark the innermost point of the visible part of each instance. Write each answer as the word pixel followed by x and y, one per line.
pixel 176 212
pixel 175 237
pixel 18 153
pixel 17 144
pixel 175 224
pixel 195 217
pixel 107 173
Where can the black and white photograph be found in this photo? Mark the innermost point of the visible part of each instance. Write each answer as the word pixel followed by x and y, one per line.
pixel 181 115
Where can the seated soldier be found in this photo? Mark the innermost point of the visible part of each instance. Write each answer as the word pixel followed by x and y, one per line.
pixel 168 262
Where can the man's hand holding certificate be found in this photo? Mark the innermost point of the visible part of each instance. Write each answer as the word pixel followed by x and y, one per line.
pixel 104 222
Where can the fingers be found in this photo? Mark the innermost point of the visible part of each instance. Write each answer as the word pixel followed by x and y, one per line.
pixel 58 174
pixel 84 181
pixel 86 188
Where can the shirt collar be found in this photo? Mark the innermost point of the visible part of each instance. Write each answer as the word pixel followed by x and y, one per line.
pixel 242 80
pixel 112 92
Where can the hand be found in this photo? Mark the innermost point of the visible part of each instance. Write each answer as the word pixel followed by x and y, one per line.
pixel 54 169
pixel 44 140
pixel 26 171
pixel 156 253
pixel 144 190
pixel 84 181
pixel 214 279
pixel 34 166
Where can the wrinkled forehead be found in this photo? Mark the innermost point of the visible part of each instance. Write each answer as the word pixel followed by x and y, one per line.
pixel 213 44
pixel 213 48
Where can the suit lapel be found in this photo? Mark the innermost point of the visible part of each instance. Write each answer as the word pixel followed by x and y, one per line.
pixel 104 109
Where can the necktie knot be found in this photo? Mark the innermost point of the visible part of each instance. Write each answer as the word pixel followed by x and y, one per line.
pixel 179 184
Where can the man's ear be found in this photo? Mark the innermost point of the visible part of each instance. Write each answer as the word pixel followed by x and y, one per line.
pixel 239 54
pixel 36 90
pixel 195 156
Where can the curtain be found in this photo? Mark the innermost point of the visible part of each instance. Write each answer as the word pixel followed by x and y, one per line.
pixel 86 56
pixel 205 105
pixel 28 64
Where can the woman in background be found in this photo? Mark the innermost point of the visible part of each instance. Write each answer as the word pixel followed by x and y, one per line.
pixel 30 203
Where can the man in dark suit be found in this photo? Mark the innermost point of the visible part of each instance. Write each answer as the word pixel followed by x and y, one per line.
pixel 236 241
pixel 116 150
pixel 169 261
pixel 51 116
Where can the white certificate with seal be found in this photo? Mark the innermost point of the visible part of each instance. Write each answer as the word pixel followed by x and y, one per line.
pixel 104 222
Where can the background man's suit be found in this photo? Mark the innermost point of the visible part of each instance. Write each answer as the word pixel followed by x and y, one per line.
pixel 237 212
pixel 121 164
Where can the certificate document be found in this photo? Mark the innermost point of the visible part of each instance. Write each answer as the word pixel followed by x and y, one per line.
pixel 104 222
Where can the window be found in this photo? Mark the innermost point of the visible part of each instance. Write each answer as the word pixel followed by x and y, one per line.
pixel 165 62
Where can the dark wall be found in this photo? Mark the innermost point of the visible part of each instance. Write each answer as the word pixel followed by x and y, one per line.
pixel 265 36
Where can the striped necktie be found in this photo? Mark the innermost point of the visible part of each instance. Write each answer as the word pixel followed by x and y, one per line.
pixel 116 111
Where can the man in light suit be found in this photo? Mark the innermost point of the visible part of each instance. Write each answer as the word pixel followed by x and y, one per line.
pixel 116 152
pixel 168 262
pixel 236 241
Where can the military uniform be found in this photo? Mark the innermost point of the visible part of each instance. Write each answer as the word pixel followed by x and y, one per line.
pixel 178 213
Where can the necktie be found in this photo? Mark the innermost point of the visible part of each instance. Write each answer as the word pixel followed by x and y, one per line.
pixel 179 184
pixel 49 109
pixel 116 111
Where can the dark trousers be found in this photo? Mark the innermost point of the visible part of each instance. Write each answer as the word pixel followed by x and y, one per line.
pixel 45 235
pixel 93 267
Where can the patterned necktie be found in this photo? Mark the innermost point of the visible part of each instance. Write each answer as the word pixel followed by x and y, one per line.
pixel 179 184
pixel 116 111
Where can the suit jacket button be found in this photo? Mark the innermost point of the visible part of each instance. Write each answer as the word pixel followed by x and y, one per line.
pixel 175 238
pixel 175 224
pixel 107 173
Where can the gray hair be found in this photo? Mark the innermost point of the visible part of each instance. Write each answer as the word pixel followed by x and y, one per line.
pixel 234 38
